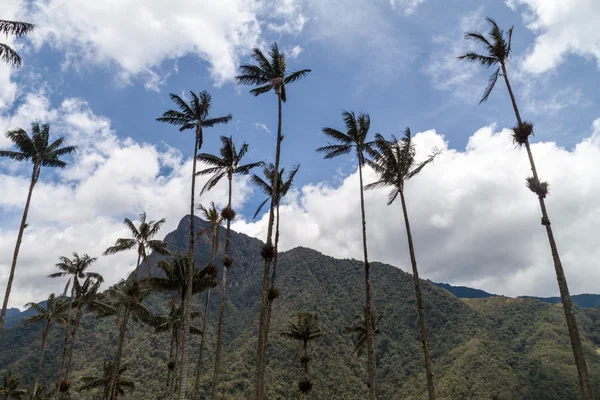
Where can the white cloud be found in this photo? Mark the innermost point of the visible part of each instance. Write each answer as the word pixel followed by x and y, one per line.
pixel 82 207
pixel 474 222
pixel 407 6
pixel 562 28
pixel 260 125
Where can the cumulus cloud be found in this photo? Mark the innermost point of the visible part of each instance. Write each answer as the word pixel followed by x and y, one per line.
pixel 562 28
pixel 408 7
pixel 81 208
pixel 474 222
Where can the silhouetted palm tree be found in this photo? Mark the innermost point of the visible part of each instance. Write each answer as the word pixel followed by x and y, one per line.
pixel 213 216
pixel 142 239
pixel 10 387
pixel 266 75
pixel 42 154
pixel 227 165
pixel 90 382
pixel 498 50
pixel 193 116
pixel 359 331
pixel 55 311
pixel 355 139
pixel 305 329
pixel 395 163
pixel 17 29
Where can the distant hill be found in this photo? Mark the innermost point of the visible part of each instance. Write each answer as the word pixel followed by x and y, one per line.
pixel 482 348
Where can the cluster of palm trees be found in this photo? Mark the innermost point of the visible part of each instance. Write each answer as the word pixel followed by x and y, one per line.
pixel 393 159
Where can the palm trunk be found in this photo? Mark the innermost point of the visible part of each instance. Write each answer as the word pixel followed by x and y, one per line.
pixel 582 371
pixel 174 380
pixel 216 374
pixel 147 262
pixel 34 177
pixel 372 377
pixel 169 370
pixel 274 273
pixel 215 245
pixel 424 340
pixel 44 336
pixel 67 331
pixel 263 333
pixel 116 365
pixel 187 304
pixel 73 335
pixel 137 267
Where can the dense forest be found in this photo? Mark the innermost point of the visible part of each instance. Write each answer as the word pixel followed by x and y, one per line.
pixel 212 313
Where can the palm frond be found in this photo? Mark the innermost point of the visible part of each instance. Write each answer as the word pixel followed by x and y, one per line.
pixel 10 56
pixel 214 121
pixel 334 150
pixel 479 58
pixel 121 244
pixel 337 135
pixel 295 76
pixel 14 155
pixel 491 83
pixel 15 28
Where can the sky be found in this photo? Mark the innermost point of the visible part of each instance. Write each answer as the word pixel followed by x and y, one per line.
pixel 100 73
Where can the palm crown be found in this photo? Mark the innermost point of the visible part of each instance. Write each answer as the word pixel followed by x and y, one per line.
pixel 498 51
pixel 266 185
pixel 17 29
pixel 176 272
pixel 359 331
pixel 195 115
pixel 10 387
pixel 305 329
pixel 55 310
pixel 395 162
pixel 173 320
pixel 90 382
pixel 357 129
pixel 211 214
pixel 35 148
pixel 226 165
pixel 76 268
pixel 269 74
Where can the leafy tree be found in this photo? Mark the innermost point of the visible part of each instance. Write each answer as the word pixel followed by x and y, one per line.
pixel 193 116
pixel 40 393
pixel 213 216
pixel 34 148
pixel 359 331
pixel 395 163
pixel 305 329
pixel 90 382
pixel 227 165
pixel 17 29
pixel 498 50
pixel 355 139
pixel 142 239
pixel 10 387
pixel 266 75
pixel 53 312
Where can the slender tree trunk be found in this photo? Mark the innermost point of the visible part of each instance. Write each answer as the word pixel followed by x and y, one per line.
pixel 137 267
pixel 147 262
pixel 174 378
pixel 67 331
pixel 187 304
pixel 73 335
pixel 170 370
pixel 43 347
pixel 263 334
pixel 217 371
pixel 582 371
pixel 368 307
pixel 424 340
pixel 117 363
pixel 274 273
pixel 215 245
pixel 34 177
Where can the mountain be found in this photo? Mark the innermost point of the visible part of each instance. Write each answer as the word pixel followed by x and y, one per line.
pixel 483 348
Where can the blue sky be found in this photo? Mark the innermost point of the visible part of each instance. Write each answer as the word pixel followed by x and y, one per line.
pixel 395 59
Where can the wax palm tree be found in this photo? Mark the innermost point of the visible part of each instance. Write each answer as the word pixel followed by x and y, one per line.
pixel 55 311
pixel 34 148
pixel 395 163
pixel 103 381
pixel 266 75
pixel 305 329
pixel 355 139
pixel 195 116
pixel 75 269
pixel 40 393
pixel 10 388
pixel 498 50
pixel 266 187
pixel 213 216
pixel 358 330
pixel 17 29
pixel 142 240
pixel 227 165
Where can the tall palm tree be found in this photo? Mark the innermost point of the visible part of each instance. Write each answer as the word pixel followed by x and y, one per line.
pixel 142 239
pixel 227 165
pixel 266 187
pixel 305 329
pixel 266 75
pixel 17 29
pixel 55 311
pixel 395 163
pixel 193 116
pixel 90 382
pixel 359 331
pixel 498 50
pixel 34 148
pixel 213 216
pixel 355 138
pixel 75 269
pixel 10 388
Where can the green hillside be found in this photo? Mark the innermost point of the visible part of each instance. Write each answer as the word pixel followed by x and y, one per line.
pixel 489 348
